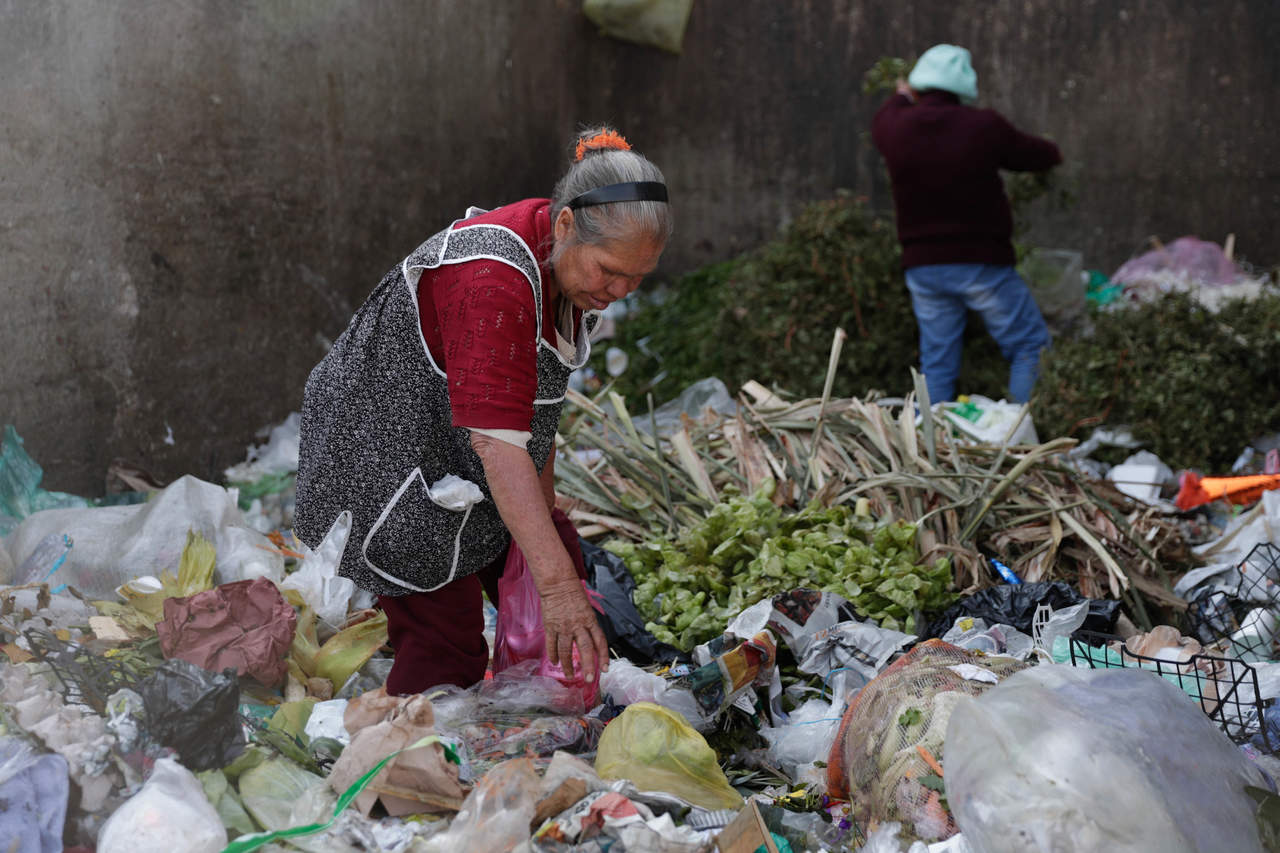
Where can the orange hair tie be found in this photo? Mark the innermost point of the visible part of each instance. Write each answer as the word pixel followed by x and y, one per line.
pixel 603 139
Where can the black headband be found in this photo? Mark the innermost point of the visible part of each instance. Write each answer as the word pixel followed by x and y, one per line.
pixel 630 191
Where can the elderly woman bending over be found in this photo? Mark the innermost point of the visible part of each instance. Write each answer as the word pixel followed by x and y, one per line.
pixel 432 420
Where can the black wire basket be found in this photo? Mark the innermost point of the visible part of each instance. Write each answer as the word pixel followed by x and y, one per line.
pixel 1226 688
pixel 1248 617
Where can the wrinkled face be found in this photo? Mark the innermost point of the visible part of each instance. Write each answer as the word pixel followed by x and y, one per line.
pixel 591 277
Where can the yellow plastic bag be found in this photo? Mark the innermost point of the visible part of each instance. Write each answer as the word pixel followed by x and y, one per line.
pixel 656 23
pixel 658 750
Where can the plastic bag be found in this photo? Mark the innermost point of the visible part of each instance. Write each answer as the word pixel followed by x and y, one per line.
pixel 974 635
pixel 271 790
pixel 879 758
pixel 1015 604
pixel 622 623
pixel 657 23
pixel 496 814
pixel 520 635
pixel 195 712
pixel 278 456
pixel 806 737
pixel 990 421
pixel 317 580
pixel 117 543
pixel 627 684
pixel 656 749
pixel 170 813
pixel 20 475
pixel 1069 760
pixel 1053 277
pixel 33 791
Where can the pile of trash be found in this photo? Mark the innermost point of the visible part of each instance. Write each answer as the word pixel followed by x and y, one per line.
pixel 803 661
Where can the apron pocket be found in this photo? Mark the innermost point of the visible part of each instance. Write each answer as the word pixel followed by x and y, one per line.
pixel 417 539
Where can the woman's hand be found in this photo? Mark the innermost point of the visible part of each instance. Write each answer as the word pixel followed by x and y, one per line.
pixel 569 620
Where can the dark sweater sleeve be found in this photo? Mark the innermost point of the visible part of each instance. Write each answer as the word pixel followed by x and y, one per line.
pixel 885 117
pixel 1022 152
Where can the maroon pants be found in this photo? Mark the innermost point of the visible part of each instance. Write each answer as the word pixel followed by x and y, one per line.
pixel 438 636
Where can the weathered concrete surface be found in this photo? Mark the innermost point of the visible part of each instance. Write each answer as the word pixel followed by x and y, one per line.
pixel 194 196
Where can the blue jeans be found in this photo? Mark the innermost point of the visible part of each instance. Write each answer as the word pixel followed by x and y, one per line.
pixel 942 293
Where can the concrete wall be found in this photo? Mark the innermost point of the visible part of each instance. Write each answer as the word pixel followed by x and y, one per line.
pixel 194 196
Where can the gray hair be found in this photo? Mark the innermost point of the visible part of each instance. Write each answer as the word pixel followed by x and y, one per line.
pixel 600 167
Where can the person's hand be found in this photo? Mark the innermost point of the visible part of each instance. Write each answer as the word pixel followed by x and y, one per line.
pixel 568 620
pixel 903 88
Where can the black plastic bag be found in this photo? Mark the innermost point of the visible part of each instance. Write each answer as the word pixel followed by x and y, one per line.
pixel 195 712
pixel 622 623
pixel 1015 604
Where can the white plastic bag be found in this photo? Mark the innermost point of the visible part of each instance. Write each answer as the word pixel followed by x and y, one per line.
pixel 627 684
pixel 278 456
pixel 170 813
pixel 317 581
pixel 114 544
pixel 806 737
pixel 989 421
pixel 1074 760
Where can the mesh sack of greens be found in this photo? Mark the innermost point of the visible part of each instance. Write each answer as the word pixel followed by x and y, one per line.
pixel 890 745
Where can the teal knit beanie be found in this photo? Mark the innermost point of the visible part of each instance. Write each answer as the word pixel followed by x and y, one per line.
pixel 946 67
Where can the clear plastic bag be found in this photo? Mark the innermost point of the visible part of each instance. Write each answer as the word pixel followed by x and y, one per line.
pixel 170 813
pixel 33 789
pixel 657 750
pixel 496 814
pixel 1075 760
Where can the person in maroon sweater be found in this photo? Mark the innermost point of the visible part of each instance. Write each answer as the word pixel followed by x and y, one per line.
pixel 944 159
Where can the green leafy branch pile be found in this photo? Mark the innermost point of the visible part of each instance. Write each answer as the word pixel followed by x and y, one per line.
pixel 748 549
pixel 1195 386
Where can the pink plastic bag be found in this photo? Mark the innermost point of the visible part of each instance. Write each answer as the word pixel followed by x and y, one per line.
pixel 520 634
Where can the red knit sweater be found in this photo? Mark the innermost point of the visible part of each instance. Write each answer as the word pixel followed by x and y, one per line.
pixel 944 160
pixel 478 323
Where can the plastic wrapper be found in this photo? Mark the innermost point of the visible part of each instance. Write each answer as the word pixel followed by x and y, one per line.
pixel 521 635
pixel 33 795
pixel 657 750
pixel 317 581
pixel 194 712
pixel 418 780
pixel 622 623
pixel 169 813
pixel 1069 760
pixel 732 670
pixel 656 23
pixel 117 543
pixel 279 455
pixel 893 733
pixel 246 626
pixel 1015 604
pixel 496 814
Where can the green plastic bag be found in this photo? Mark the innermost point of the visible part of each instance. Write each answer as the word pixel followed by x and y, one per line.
pixel 658 750
pixel 656 23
